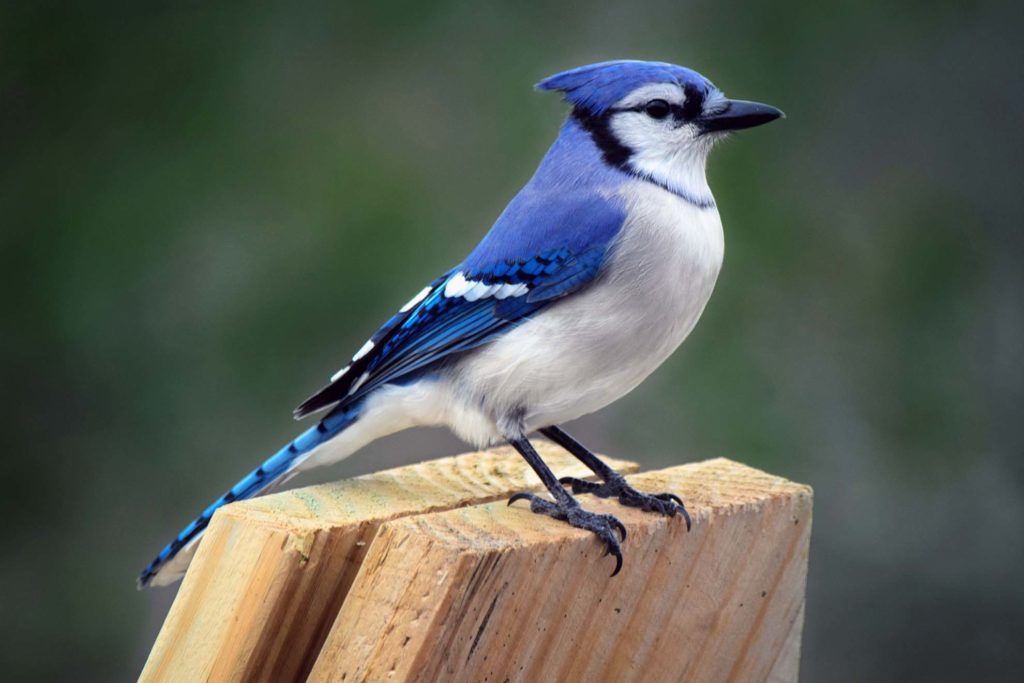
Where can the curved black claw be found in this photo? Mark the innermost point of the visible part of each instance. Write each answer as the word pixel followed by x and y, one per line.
pixel 603 526
pixel 662 503
pixel 670 496
pixel 521 496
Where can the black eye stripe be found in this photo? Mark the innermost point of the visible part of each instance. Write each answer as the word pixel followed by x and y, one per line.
pixel 694 103
pixel 674 110
pixel 690 109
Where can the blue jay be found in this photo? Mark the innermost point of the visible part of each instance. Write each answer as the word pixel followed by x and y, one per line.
pixel 594 273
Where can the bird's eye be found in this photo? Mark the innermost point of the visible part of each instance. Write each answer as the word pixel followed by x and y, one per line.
pixel 657 109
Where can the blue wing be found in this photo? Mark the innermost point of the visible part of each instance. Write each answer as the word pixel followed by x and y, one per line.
pixel 534 255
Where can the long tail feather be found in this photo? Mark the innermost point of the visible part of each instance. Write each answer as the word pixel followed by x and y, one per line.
pixel 171 563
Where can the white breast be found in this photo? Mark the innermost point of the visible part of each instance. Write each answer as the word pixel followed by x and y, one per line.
pixel 590 349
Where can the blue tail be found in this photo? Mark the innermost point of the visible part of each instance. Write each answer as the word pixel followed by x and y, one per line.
pixel 257 481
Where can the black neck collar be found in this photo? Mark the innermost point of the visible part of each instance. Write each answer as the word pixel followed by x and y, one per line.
pixel 617 155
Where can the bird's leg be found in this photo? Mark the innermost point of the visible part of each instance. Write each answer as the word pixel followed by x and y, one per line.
pixel 614 483
pixel 565 506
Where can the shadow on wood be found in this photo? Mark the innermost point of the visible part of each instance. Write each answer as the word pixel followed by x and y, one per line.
pixel 460 589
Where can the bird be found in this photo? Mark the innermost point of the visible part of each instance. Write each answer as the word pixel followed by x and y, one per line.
pixel 594 273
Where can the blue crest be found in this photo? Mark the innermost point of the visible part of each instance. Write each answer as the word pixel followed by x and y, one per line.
pixel 596 87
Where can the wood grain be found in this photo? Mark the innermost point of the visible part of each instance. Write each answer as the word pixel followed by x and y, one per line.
pixel 271 573
pixel 491 593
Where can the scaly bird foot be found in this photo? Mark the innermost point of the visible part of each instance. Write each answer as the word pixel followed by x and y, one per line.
pixel 662 503
pixel 603 526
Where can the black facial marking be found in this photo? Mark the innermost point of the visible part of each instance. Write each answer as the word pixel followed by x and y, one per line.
pixel 658 109
pixel 613 151
pixel 694 104
pixel 618 155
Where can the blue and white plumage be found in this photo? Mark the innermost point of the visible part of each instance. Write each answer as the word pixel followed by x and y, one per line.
pixel 595 272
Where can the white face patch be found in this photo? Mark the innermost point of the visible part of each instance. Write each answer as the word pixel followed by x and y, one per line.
pixel 670 152
pixel 672 94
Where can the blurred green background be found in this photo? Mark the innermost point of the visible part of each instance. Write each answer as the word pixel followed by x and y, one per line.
pixel 205 208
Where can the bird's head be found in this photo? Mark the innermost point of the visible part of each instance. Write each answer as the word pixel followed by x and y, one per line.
pixel 654 119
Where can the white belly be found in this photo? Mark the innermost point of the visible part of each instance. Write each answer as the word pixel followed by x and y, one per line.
pixel 594 347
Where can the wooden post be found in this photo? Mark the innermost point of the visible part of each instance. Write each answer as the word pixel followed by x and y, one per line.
pixel 489 593
pixel 271 573
pixel 409 575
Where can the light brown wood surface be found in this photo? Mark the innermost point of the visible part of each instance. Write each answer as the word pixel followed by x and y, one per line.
pixel 491 593
pixel 271 573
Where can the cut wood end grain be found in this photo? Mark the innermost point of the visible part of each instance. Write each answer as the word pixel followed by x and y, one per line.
pixel 489 593
pixel 272 572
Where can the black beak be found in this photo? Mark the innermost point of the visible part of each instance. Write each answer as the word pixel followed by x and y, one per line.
pixel 738 114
